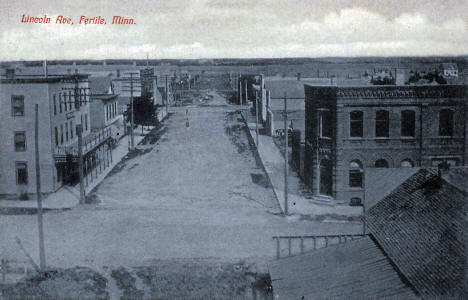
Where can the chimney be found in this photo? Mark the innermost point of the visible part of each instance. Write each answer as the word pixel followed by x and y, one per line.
pixel 443 168
pixel 44 67
pixel 400 77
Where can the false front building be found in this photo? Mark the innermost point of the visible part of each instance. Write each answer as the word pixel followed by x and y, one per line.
pixel 348 129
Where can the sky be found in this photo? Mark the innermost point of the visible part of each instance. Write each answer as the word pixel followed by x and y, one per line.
pixel 235 29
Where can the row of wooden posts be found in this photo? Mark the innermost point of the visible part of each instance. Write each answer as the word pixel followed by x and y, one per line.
pixel 342 238
pixel 101 161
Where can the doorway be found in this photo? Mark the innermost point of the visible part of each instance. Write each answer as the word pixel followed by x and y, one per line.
pixel 326 177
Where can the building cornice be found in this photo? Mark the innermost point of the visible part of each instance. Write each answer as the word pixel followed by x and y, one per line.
pixel 386 92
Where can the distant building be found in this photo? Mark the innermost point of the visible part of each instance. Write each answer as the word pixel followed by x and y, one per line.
pixel 276 89
pixel 60 110
pixel 123 87
pixel 449 69
pixel 104 106
pixel 416 248
pixel 349 129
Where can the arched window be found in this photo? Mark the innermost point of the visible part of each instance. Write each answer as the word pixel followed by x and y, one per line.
pixel 446 122
pixel 408 119
pixel 356 201
pixel 381 123
pixel 356 123
pixel 406 163
pixel 381 163
pixel 355 173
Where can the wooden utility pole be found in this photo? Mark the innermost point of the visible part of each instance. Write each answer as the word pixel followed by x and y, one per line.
pixel 166 98
pixel 42 262
pixel 239 86
pixel 132 139
pixel 79 132
pixel 256 116
pixel 246 95
pixel 285 154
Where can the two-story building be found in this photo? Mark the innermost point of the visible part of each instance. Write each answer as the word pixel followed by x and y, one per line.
pixel 349 129
pixel 63 103
pixel 104 106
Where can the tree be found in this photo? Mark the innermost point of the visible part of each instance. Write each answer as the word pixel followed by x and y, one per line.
pixel 144 112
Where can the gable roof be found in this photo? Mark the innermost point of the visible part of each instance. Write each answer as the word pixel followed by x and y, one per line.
pixel 100 84
pixel 449 66
pixel 380 182
pixel 420 226
pixel 357 269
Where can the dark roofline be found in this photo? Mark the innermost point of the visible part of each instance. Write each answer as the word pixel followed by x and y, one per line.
pixel 41 79
pixel 104 96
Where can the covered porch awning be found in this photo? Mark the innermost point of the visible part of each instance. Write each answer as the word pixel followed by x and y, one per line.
pixel 90 143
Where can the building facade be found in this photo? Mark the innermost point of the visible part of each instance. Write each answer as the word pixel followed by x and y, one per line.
pixel 349 129
pixel 104 106
pixel 59 112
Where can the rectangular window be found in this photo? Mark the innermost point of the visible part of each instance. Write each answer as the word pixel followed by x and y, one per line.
pixel 356 123
pixel 452 162
pixel 355 178
pixel 76 100
pixel 69 101
pixel 20 141
pixel 21 173
pixel 408 120
pixel 61 134
pixel 55 105
pixel 17 105
pixel 66 132
pixel 446 122
pixel 382 123
pixel 86 122
pixel 71 129
pixel 326 127
pixel 65 101
pixel 56 136
pixel 60 102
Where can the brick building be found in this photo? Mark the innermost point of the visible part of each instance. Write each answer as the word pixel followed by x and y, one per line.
pixel 349 129
pixel 59 113
pixel 415 248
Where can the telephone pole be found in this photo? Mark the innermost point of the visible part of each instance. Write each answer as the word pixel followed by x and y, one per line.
pixel 79 132
pixel 285 154
pixel 166 98
pixel 132 139
pixel 256 116
pixel 246 95
pixel 38 191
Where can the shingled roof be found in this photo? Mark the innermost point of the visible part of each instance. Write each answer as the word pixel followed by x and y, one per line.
pixel 420 226
pixel 357 269
pixel 100 84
